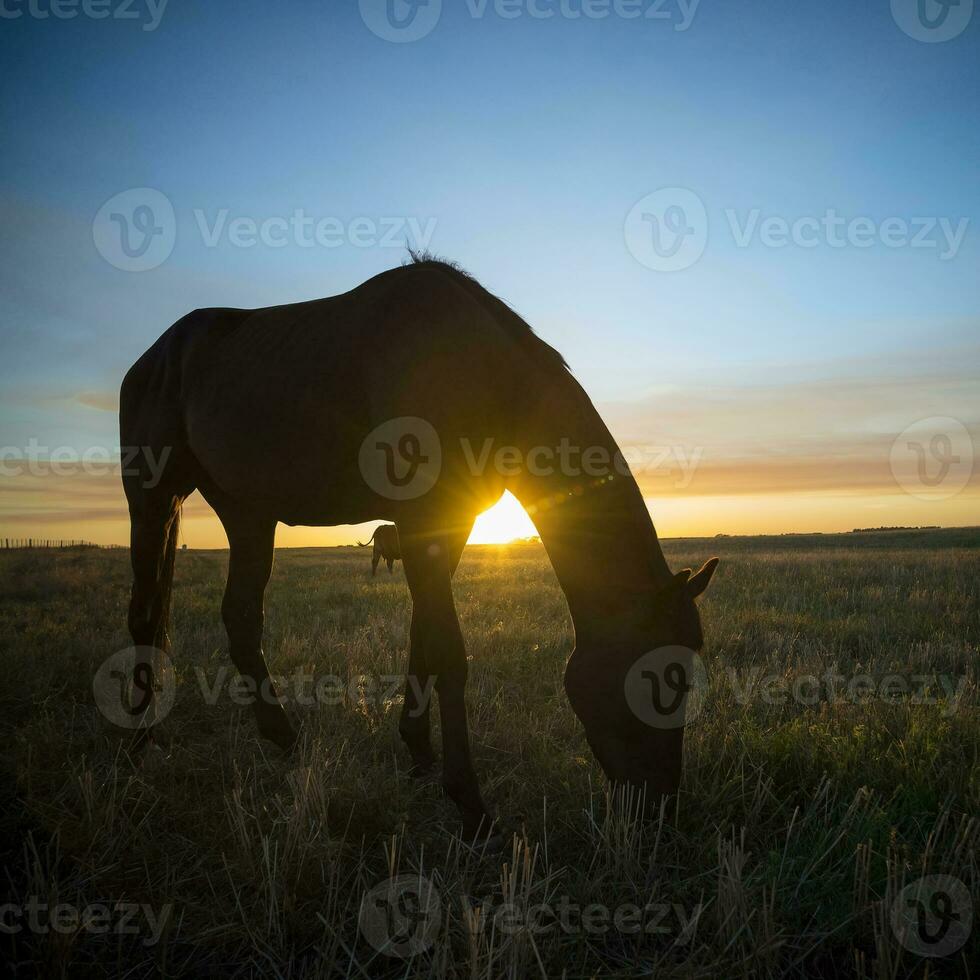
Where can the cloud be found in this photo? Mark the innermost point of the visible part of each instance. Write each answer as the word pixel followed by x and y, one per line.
pixel 790 436
pixel 106 401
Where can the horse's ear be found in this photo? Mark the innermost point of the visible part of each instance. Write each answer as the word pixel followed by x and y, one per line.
pixel 698 582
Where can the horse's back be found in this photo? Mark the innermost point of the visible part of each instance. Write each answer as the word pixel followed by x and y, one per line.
pixel 276 402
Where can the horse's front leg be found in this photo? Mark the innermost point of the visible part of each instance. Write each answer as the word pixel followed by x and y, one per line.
pixel 251 543
pixel 413 726
pixel 458 776
pixel 429 563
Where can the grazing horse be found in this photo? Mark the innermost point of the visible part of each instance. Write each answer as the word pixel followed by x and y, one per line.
pixel 385 538
pixel 417 397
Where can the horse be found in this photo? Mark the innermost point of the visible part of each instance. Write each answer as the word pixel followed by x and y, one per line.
pixel 385 538
pixel 417 397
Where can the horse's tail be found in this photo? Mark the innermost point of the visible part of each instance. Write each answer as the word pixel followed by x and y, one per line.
pixel 364 544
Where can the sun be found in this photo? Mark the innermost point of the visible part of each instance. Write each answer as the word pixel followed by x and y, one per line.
pixel 503 522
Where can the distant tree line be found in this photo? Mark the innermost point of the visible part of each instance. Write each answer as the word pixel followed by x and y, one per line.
pixel 897 527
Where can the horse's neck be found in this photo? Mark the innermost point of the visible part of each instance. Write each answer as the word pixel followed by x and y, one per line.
pixel 597 530
pixel 605 553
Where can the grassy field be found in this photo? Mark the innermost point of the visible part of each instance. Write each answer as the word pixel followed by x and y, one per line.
pixel 805 810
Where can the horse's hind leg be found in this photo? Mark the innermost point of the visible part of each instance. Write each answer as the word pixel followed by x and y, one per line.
pixel 153 545
pixel 251 541
pixel 428 563
pixel 154 526
pixel 414 726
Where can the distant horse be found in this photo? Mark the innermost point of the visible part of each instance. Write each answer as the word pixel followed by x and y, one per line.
pixel 393 401
pixel 385 538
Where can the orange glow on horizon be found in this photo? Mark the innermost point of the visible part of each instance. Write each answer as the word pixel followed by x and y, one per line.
pixel 93 509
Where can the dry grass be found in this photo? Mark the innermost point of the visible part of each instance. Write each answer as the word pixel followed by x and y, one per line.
pixel 797 827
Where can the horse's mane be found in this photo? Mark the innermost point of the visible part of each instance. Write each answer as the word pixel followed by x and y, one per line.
pixel 511 321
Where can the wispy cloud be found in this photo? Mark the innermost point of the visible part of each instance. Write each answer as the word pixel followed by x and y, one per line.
pixel 797 434
pixel 105 401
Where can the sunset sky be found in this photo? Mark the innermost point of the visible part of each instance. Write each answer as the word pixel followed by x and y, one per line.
pixel 764 387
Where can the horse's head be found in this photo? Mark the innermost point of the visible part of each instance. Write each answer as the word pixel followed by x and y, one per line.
pixel 631 689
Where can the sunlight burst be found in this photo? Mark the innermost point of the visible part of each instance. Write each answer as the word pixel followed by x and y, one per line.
pixel 503 522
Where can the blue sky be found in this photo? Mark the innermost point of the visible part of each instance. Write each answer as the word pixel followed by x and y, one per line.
pixel 524 142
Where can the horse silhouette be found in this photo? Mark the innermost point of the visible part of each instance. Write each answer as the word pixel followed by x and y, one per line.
pixel 314 412
pixel 385 538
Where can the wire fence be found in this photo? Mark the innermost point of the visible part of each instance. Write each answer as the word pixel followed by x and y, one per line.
pixel 11 543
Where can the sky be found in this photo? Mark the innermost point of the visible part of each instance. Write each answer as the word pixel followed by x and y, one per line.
pixel 751 229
